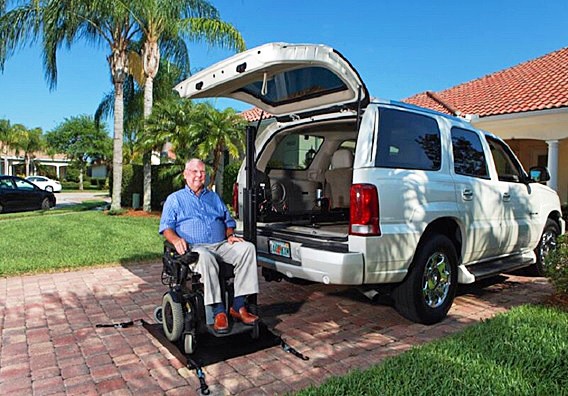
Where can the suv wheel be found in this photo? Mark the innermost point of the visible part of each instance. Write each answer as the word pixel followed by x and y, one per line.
pixel 427 293
pixel 546 244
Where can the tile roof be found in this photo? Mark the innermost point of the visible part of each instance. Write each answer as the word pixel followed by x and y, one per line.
pixel 537 84
pixel 254 114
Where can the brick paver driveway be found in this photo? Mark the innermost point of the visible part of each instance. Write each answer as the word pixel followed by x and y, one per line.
pixel 50 344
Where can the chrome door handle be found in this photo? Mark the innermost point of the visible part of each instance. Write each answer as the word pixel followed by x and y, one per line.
pixel 506 197
pixel 467 195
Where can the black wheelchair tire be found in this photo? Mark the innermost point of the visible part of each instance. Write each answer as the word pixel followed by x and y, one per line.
pixel 172 318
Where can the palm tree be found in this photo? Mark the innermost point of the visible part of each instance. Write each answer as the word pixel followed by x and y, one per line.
pixel 28 142
pixel 5 142
pixel 62 23
pixel 196 130
pixel 166 22
pixel 222 130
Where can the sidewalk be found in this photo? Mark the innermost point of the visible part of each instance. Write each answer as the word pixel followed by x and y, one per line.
pixel 49 343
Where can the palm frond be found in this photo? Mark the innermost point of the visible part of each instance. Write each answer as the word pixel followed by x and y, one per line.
pixel 214 32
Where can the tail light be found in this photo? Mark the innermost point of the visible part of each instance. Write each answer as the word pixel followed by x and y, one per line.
pixel 236 199
pixel 364 214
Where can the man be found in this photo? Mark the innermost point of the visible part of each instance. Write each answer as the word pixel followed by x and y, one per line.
pixel 197 217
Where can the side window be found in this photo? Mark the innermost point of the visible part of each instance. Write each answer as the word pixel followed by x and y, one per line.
pixel 469 159
pixel 24 185
pixel 295 152
pixel 408 140
pixel 6 184
pixel 508 168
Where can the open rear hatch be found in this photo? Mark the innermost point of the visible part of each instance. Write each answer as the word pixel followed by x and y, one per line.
pixel 282 79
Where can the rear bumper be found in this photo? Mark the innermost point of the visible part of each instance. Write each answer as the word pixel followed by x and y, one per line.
pixel 338 268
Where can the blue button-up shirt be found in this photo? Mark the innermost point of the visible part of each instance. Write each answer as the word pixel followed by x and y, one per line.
pixel 197 219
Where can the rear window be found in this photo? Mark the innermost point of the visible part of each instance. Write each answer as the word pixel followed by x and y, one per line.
pixel 304 83
pixel 408 140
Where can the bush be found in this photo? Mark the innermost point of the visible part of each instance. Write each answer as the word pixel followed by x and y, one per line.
pixel 557 265
pixel 163 183
pixel 229 178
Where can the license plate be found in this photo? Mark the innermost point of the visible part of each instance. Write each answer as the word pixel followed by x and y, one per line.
pixel 279 248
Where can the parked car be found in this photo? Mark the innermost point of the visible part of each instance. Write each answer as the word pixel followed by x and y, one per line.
pixel 45 183
pixel 346 189
pixel 17 194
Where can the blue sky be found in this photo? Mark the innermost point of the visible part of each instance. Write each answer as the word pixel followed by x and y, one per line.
pixel 399 48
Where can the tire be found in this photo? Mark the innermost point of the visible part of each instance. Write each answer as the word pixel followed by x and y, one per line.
pixel 49 188
pixel 172 318
pixel 428 291
pixel 45 205
pixel 546 244
pixel 158 314
pixel 189 343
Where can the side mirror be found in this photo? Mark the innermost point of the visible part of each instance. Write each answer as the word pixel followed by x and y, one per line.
pixel 539 174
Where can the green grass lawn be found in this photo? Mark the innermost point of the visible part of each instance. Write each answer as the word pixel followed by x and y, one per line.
pixel 73 237
pixel 521 352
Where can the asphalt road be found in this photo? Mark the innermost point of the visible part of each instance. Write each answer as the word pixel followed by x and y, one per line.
pixel 73 198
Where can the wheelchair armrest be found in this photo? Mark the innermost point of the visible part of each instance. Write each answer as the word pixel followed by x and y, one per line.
pixel 187 258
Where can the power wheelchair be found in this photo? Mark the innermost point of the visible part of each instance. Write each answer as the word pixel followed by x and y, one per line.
pixel 183 314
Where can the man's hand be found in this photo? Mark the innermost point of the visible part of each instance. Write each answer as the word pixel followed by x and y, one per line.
pixel 233 238
pixel 181 245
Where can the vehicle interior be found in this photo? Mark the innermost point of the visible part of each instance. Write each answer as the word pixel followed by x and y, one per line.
pixel 306 172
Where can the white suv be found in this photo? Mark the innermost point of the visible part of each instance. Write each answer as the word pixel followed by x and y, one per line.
pixel 355 191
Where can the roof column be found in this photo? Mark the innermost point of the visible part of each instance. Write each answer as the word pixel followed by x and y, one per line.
pixel 553 163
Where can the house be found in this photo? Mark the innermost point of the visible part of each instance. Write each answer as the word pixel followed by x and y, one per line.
pixel 526 105
pixel 12 163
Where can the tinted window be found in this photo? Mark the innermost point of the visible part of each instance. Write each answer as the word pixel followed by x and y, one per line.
pixel 508 168
pixel 469 159
pixel 6 184
pixel 304 83
pixel 24 185
pixel 295 152
pixel 408 140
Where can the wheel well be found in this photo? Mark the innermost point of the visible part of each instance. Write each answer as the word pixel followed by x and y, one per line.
pixel 445 226
pixel 555 216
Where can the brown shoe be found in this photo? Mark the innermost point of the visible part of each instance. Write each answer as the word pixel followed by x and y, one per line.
pixel 244 316
pixel 221 324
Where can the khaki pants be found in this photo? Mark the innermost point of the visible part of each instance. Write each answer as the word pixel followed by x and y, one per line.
pixel 241 255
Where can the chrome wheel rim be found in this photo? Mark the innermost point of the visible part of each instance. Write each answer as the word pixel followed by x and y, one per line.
pixel 437 280
pixel 547 244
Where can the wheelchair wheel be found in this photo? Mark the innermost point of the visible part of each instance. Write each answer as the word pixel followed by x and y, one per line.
pixel 172 316
pixel 158 314
pixel 189 343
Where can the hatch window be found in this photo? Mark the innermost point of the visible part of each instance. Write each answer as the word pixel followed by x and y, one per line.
pixel 294 85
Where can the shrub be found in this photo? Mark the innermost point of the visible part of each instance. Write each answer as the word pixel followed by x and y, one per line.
pixel 557 265
pixel 229 178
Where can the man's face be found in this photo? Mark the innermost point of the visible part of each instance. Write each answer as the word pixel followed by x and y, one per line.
pixel 194 175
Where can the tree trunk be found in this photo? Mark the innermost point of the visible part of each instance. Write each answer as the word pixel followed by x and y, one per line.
pixel 117 145
pixel 147 158
pixel 151 63
pixel 81 179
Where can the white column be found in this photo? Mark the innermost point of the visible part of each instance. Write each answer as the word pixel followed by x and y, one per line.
pixel 553 163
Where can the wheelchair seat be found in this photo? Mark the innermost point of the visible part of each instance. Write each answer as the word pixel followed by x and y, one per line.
pixel 178 267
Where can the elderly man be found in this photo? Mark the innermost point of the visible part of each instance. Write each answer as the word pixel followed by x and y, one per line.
pixel 198 218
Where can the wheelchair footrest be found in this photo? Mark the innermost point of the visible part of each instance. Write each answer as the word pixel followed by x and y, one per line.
pixel 234 328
